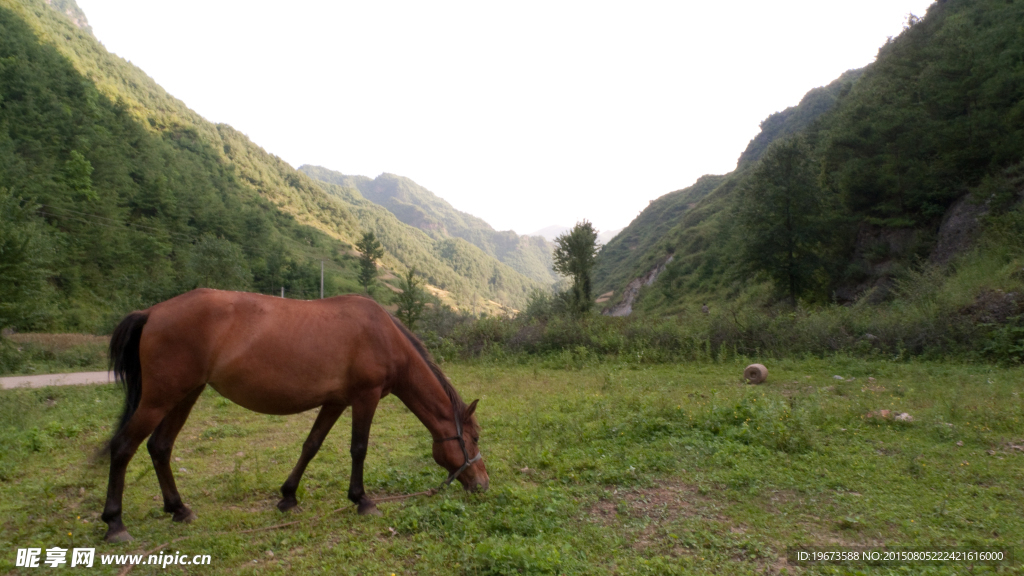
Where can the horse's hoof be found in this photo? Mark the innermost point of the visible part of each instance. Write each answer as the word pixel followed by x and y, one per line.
pixel 120 536
pixel 369 508
pixel 287 504
pixel 186 516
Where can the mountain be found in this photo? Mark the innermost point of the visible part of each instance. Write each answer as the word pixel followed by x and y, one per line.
pixel 912 160
pixel 551 232
pixel 606 236
pixel 797 118
pixel 115 195
pixel 416 206
pixel 650 238
pixel 460 272
pixel 656 232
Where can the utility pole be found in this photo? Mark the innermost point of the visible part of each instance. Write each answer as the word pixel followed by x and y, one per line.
pixel 321 279
pixel 282 291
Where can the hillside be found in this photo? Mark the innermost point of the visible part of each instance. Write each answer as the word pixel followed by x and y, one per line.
pixel 891 153
pixel 416 206
pixel 647 241
pixel 458 271
pixel 797 118
pixel 114 195
pixel 655 233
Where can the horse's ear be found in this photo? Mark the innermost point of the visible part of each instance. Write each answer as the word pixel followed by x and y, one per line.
pixel 470 409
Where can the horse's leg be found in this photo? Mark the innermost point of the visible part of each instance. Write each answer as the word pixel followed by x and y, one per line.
pixel 329 414
pixel 122 447
pixel 160 444
pixel 362 416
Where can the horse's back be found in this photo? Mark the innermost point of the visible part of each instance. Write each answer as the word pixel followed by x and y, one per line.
pixel 271 354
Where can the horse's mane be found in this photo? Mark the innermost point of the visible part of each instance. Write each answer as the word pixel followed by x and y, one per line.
pixel 457 402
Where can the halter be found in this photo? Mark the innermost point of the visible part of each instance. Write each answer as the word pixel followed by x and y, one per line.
pixel 462 444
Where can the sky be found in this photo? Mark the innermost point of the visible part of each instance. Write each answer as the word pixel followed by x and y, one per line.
pixel 526 114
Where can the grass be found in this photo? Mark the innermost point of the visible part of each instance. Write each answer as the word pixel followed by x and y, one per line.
pixel 39 353
pixel 611 468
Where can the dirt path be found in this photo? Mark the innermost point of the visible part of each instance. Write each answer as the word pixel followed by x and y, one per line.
pixel 41 380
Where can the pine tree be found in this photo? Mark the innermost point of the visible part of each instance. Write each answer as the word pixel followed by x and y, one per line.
pixel 370 250
pixel 412 299
pixel 781 220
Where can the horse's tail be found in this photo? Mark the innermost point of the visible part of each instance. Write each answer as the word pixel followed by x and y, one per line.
pixel 126 364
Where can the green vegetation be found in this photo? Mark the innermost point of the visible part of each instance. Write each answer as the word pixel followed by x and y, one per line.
pixel 574 258
pixel 781 218
pixel 932 319
pixel 115 196
pixel 609 468
pixel 52 353
pixel 795 119
pixel 888 154
pixel 419 207
pixel 472 279
pixel 411 301
pixel 651 236
pixel 369 252
pixel 106 214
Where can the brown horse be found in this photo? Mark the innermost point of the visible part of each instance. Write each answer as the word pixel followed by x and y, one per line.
pixel 277 356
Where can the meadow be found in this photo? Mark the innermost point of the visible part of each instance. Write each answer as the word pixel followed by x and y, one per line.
pixel 596 467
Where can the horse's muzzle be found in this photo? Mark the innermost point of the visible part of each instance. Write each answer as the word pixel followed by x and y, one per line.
pixel 479 486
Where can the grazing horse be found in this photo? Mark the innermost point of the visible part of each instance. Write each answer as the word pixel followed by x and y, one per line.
pixel 277 356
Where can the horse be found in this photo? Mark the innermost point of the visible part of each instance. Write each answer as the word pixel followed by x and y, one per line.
pixel 277 356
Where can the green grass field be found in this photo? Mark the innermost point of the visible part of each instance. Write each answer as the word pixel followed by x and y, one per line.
pixel 605 469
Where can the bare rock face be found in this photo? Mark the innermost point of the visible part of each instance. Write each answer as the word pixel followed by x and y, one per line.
pixel 959 229
pixel 70 9
pixel 994 307
pixel 625 307
pixel 881 252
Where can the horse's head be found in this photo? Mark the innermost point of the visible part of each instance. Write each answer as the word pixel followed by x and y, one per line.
pixel 460 454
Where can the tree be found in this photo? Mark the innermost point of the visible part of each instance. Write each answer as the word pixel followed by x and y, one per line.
pixel 370 250
pixel 412 299
pixel 23 264
pixel 781 219
pixel 574 256
pixel 218 263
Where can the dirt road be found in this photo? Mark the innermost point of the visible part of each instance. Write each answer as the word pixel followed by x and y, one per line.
pixel 41 380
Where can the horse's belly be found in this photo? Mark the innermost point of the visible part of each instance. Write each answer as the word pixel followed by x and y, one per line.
pixel 278 395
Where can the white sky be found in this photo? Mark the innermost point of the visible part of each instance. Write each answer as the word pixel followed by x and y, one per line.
pixel 525 114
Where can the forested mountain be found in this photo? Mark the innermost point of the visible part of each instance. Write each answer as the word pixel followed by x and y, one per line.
pixel 419 207
pixel 797 118
pixel 655 233
pixel 114 195
pixel 882 167
pixel 485 284
pixel 648 239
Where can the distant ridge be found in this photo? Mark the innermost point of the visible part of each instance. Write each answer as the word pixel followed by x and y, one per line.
pixel 606 236
pixel 418 207
pixel 550 232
